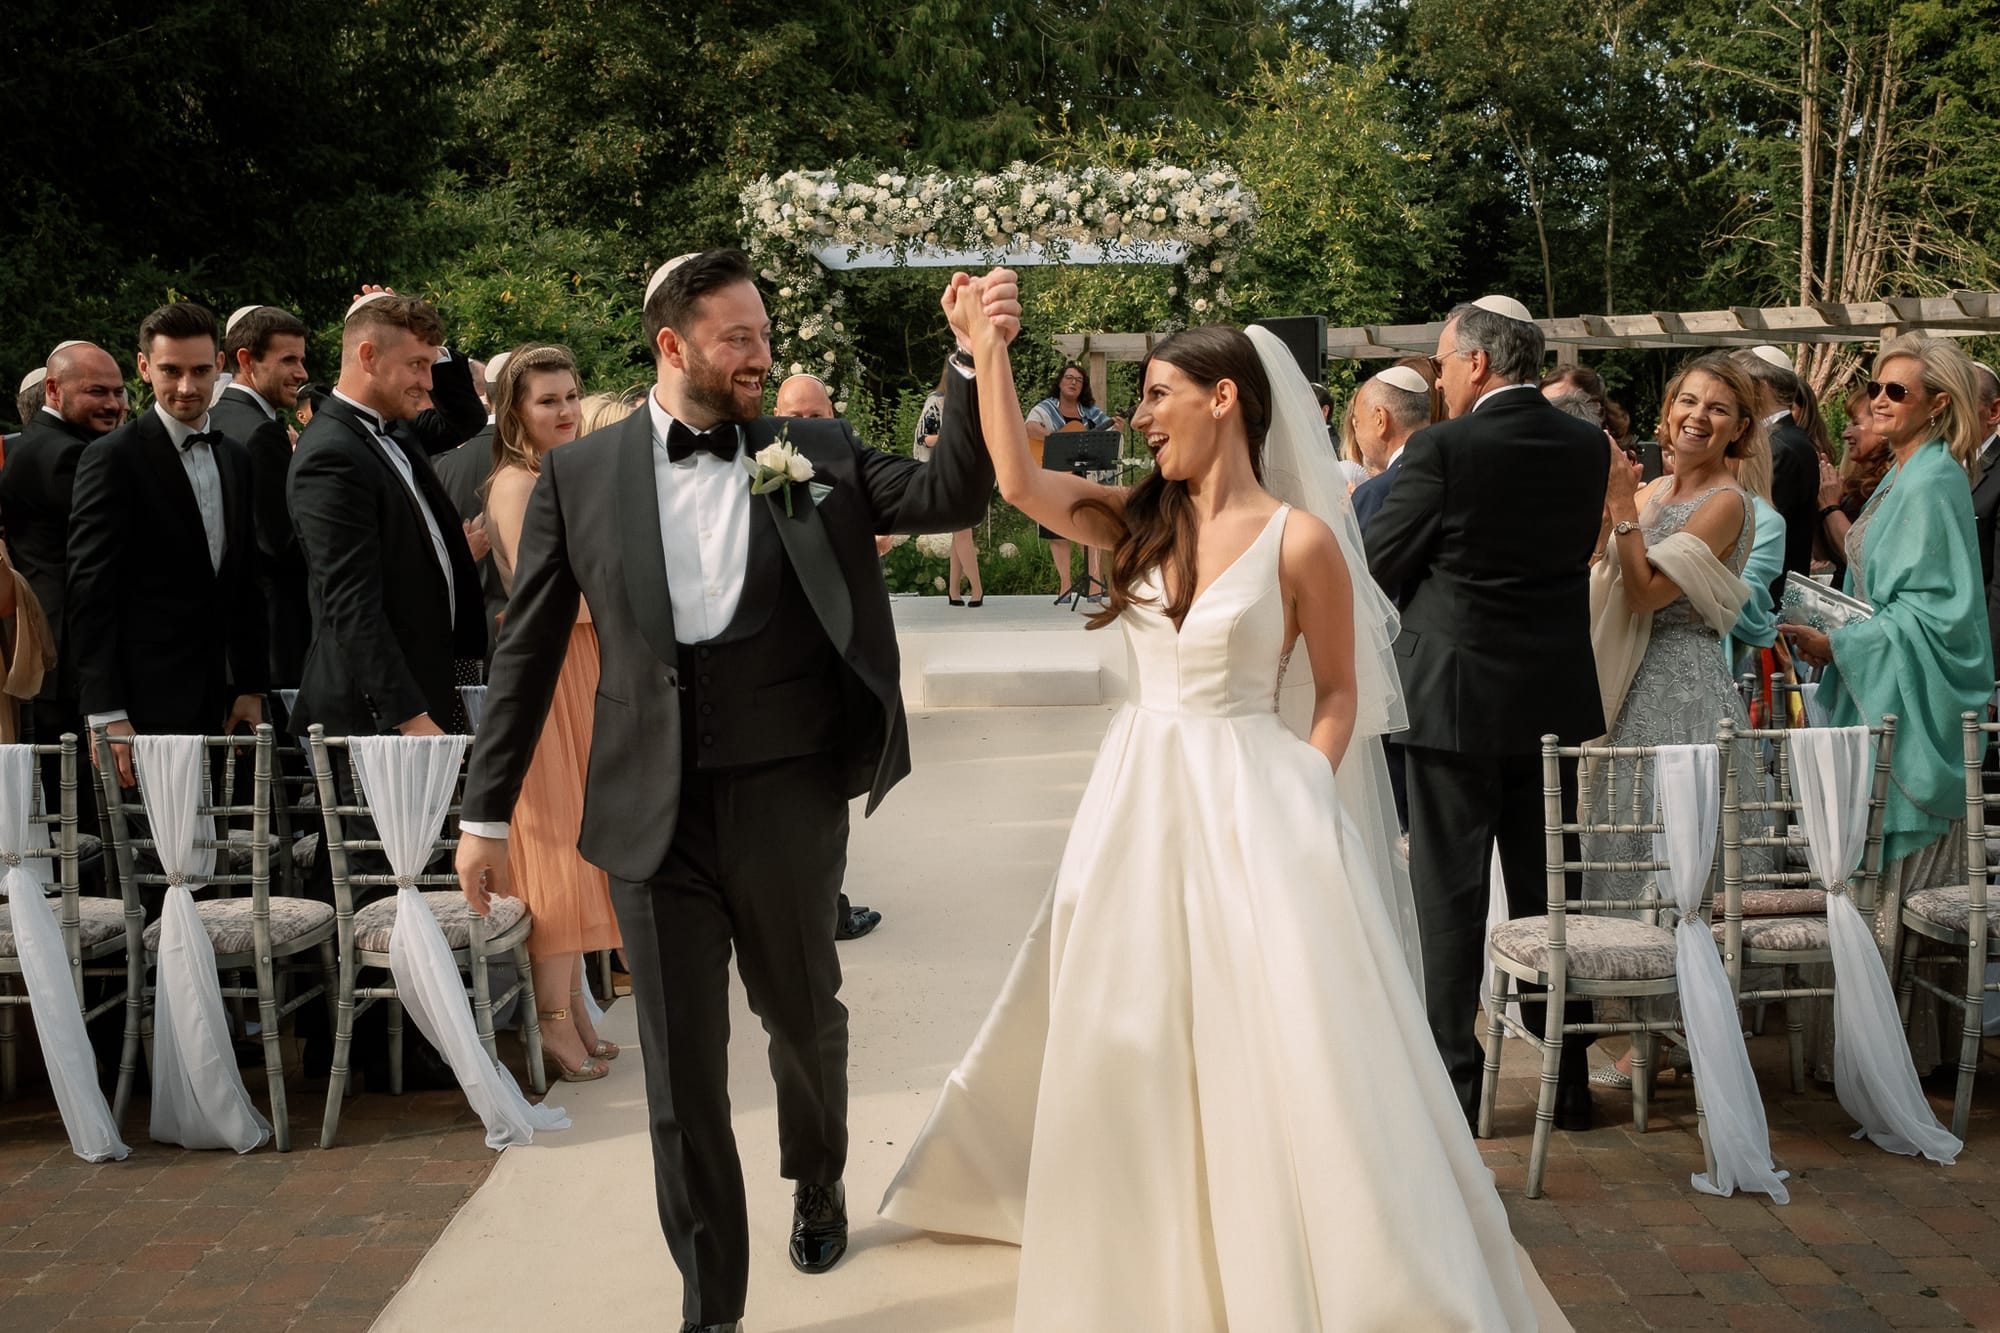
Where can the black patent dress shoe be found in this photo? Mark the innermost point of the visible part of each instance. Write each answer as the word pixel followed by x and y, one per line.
pixel 858 922
pixel 733 1326
pixel 819 1226
pixel 1574 1109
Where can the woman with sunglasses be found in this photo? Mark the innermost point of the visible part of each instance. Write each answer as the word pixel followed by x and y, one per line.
pixel 1923 653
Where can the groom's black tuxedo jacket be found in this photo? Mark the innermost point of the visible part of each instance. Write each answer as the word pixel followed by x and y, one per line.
pixel 593 529
pixel 385 632
pixel 155 627
pixel 1488 534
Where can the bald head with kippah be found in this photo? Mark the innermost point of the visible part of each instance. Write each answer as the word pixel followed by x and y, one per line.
pixel 85 388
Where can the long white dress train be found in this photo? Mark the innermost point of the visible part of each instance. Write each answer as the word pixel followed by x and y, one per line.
pixel 1207 1097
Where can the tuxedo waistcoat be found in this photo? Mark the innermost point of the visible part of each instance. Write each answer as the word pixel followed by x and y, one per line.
pixel 769 686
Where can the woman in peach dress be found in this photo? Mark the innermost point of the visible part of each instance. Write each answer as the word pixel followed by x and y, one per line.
pixel 536 407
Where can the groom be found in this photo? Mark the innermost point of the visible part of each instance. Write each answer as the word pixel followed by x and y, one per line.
pixel 749 688
pixel 1488 531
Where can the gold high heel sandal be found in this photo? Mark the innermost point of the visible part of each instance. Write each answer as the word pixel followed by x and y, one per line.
pixel 603 1050
pixel 587 1072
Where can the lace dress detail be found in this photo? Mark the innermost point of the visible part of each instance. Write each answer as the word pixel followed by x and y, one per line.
pixel 1681 692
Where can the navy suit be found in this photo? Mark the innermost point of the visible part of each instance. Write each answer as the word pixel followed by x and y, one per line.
pixel 1370 494
pixel 1367 500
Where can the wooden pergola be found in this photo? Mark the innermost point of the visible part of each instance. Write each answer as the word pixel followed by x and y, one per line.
pixel 1957 315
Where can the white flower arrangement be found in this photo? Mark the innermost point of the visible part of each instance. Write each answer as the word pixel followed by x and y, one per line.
pixel 1008 550
pixel 936 545
pixel 785 218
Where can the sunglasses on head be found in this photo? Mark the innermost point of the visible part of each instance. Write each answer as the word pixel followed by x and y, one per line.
pixel 1898 393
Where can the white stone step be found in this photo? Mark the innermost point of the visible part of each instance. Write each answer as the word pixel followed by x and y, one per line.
pixel 985 682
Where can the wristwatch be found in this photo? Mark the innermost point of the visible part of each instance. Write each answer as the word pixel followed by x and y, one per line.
pixel 1623 526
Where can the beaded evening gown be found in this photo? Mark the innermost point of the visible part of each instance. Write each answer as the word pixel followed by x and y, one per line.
pixel 1207 1097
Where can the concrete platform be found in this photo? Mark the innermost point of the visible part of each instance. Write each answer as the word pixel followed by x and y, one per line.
pixel 1012 652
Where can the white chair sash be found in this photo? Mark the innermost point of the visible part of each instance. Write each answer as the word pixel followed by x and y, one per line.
pixel 38 944
pixel 408 782
pixel 1872 1072
pixel 1815 710
pixel 198 1096
pixel 473 697
pixel 1686 783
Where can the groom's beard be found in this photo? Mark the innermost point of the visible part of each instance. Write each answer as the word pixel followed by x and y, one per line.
pixel 717 392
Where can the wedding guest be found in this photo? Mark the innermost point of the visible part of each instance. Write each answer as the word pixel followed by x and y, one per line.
pixel 1668 590
pixel 267 347
pixel 32 398
pixel 1388 408
pixel 1578 390
pixel 394 593
pixel 84 401
pixel 449 410
pixel 964 561
pixel 1490 525
pixel 311 396
pixel 536 407
pixel 605 409
pixel 1986 482
pixel 463 471
pixel 1844 492
pixel 166 623
pixel 1069 405
pixel 1924 654
pixel 1794 461
pixel 27 651
pixel 1751 644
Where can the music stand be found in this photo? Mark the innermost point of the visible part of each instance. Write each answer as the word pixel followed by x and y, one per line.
pixel 1092 454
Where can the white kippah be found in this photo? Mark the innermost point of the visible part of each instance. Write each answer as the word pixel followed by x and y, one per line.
pixel 33 379
pixel 660 273
pixel 68 343
pixel 1507 306
pixel 236 317
pixel 1404 378
pixel 360 301
pixel 1766 352
pixel 495 366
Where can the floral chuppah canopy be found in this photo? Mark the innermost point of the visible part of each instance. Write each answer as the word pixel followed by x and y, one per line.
pixel 804 224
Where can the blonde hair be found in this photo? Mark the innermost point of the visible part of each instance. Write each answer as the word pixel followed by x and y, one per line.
pixel 1947 370
pixel 604 409
pixel 510 434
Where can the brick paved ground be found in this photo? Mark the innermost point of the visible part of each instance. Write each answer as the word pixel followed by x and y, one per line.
pixel 317 1240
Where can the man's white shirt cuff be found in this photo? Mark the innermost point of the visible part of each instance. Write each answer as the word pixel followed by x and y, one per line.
pixel 480 828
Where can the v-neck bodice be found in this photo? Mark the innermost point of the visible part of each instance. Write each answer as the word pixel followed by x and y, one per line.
pixel 1225 657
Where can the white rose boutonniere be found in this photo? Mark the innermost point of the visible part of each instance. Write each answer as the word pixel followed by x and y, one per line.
pixel 777 466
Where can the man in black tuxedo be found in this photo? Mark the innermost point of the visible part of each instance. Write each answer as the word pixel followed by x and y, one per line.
pixel 749 680
pixel 31 399
pixel 463 470
pixel 1488 533
pixel 1794 461
pixel 84 397
pixel 394 595
pixel 266 347
pixel 166 623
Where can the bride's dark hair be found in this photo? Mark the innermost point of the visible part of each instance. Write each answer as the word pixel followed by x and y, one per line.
pixel 1157 525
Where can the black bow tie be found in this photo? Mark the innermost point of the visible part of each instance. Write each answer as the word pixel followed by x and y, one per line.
pixel 683 441
pixel 211 438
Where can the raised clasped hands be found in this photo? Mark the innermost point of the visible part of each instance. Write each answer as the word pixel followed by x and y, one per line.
pixel 990 305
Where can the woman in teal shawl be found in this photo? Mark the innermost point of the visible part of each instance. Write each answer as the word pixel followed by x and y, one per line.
pixel 1923 654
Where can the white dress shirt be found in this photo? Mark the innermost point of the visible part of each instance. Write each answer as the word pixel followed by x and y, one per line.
pixel 205 477
pixel 402 464
pixel 256 398
pixel 1480 401
pixel 704 529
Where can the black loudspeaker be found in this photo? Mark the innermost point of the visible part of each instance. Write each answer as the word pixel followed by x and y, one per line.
pixel 1304 337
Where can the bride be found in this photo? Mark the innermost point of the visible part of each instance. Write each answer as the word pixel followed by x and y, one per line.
pixel 1207 1097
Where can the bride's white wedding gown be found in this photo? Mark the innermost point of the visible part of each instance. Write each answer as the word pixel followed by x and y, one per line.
pixel 1207 1097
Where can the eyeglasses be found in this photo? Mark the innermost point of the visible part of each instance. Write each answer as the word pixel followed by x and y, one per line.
pixel 1898 393
pixel 1437 362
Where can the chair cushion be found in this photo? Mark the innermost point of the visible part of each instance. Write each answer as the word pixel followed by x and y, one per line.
pixel 1788 934
pixel 231 927
pixel 1600 948
pixel 99 919
pixel 1952 909
pixel 375 923
pixel 1798 901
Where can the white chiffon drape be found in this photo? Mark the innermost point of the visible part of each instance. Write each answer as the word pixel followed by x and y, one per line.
pixel 199 1100
pixel 1686 783
pixel 38 945
pixel 408 783
pixel 1873 1075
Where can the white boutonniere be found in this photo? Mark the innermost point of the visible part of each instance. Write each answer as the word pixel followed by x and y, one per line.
pixel 777 466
